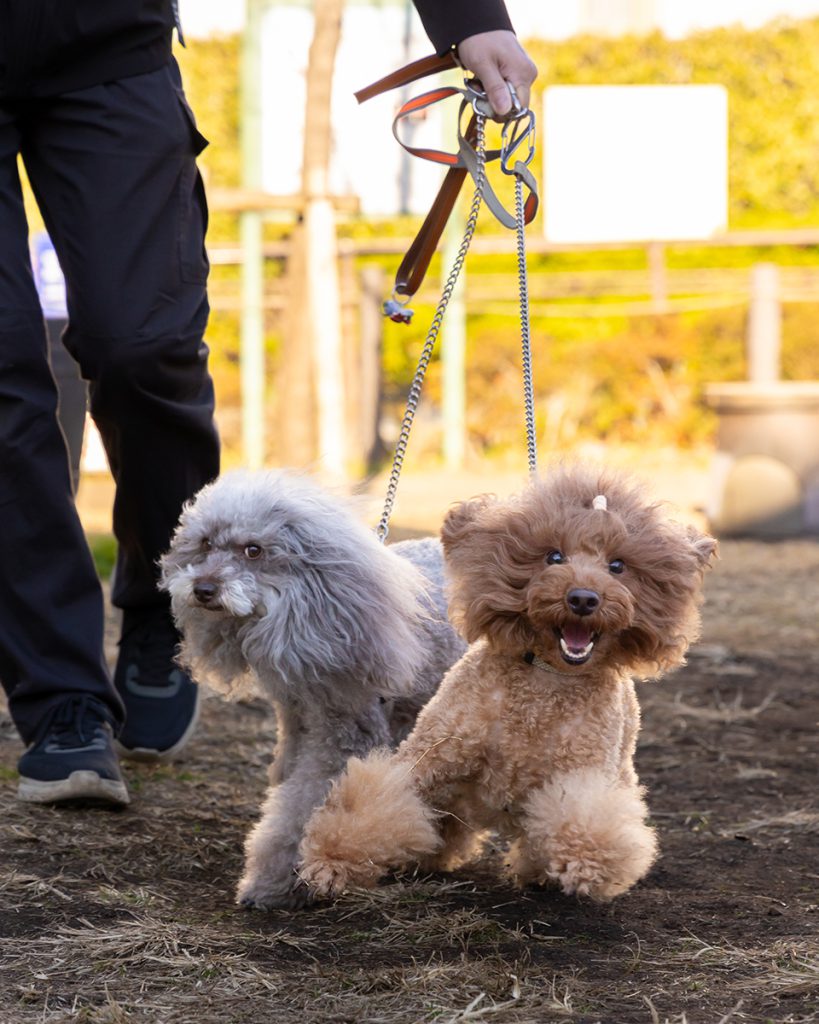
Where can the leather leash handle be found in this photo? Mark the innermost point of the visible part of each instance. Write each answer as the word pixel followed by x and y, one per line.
pixel 409 73
pixel 416 262
pixel 413 267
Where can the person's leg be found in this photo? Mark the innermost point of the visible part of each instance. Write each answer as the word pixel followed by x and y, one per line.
pixel 51 608
pixel 114 171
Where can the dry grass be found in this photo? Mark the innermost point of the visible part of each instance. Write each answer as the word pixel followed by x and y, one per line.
pixel 787 967
pixel 128 918
pixel 416 957
pixel 148 969
pixel 728 713
pixel 789 822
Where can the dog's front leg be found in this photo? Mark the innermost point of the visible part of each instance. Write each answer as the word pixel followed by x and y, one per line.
pixel 318 746
pixel 269 879
pixel 585 831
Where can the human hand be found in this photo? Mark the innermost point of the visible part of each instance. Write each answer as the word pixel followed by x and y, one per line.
pixel 497 58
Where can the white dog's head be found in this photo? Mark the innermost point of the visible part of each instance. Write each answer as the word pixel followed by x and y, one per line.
pixel 269 575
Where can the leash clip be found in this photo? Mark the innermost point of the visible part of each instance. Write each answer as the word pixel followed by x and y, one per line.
pixel 397 310
pixel 513 135
pixel 476 95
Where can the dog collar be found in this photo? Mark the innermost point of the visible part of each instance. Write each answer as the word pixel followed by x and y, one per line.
pixel 532 659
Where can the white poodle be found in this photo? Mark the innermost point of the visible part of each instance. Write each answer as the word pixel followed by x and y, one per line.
pixel 276 586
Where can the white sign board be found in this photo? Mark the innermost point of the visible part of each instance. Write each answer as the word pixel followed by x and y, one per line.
pixel 635 162
pixel 367 161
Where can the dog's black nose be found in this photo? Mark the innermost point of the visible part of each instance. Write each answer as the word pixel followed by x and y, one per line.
pixel 583 602
pixel 204 592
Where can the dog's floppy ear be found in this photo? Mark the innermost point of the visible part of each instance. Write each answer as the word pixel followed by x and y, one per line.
pixel 461 518
pixel 703 546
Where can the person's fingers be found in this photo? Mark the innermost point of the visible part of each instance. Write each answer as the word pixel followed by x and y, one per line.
pixel 520 72
pixel 523 94
pixel 498 60
pixel 522 77
pixel 497 91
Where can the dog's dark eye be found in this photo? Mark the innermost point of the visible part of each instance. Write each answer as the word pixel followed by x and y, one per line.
pixel 206 544
pixel 253 551
pixel 555 558
pixel 616 565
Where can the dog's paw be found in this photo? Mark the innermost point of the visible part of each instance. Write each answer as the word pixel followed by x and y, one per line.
pixel 585 878
pixel 253 894
pixel 326 879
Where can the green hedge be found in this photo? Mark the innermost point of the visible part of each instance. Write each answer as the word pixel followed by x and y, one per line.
pixel 772 79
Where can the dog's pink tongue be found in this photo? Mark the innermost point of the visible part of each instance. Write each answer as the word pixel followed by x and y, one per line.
pixel 576 635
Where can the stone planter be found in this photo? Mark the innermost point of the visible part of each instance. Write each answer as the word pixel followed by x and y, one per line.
pixel 766 471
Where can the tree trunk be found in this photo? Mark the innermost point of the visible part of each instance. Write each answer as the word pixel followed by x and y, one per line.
pixel 312 377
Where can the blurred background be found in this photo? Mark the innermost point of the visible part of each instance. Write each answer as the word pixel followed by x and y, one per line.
pixel 673 267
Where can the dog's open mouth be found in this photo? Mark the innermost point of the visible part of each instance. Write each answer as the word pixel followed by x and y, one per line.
pixel 576 642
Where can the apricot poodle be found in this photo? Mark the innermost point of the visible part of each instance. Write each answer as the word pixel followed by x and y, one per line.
pixel 564 593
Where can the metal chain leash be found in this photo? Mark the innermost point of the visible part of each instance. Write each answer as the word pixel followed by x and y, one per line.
pixel 517 135
pixel 525 336
pixel 382 530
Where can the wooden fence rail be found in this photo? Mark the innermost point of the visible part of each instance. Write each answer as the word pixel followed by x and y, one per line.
pixel 570 293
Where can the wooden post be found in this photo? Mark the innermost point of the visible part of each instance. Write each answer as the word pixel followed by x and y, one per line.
pixel 373 285
pixel 323 314
pixel 314 320
pixel 764 340
pixel 658 277
pixel 453 330
pixel 252 323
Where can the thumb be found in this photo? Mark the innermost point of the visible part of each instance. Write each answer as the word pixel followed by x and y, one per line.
pixel 495 86
pixel 497 90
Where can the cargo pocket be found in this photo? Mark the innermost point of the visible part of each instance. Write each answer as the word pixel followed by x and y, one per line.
pixel 193 205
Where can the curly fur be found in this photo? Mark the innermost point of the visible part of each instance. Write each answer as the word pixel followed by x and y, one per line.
pixel 532 734
pixel 503 590
pixel 277 587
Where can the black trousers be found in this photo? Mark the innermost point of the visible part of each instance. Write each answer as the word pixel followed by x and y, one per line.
pixel 113 170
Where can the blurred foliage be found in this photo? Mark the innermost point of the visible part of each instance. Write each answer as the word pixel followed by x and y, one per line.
pixel 638 379
pixel 772 79
pixel 210 71
pixel 622 378
pixel 104 552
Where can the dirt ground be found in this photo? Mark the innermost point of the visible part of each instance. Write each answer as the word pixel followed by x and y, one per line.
pixel 109 917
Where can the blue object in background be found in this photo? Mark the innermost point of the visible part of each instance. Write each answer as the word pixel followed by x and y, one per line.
pixel 48 277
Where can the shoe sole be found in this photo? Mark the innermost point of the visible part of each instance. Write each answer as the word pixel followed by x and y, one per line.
pixel 80 785
pixel 150 755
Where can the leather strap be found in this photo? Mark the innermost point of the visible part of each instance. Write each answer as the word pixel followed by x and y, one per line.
pixel 413 267
pixel 431 65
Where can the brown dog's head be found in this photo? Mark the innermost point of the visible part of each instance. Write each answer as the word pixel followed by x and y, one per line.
pixel 579 568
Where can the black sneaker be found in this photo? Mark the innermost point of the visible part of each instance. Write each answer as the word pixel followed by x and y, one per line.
pixel 161 700
pixel 73 758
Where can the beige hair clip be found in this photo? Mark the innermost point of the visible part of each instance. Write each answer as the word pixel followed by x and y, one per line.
pixel 599 503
